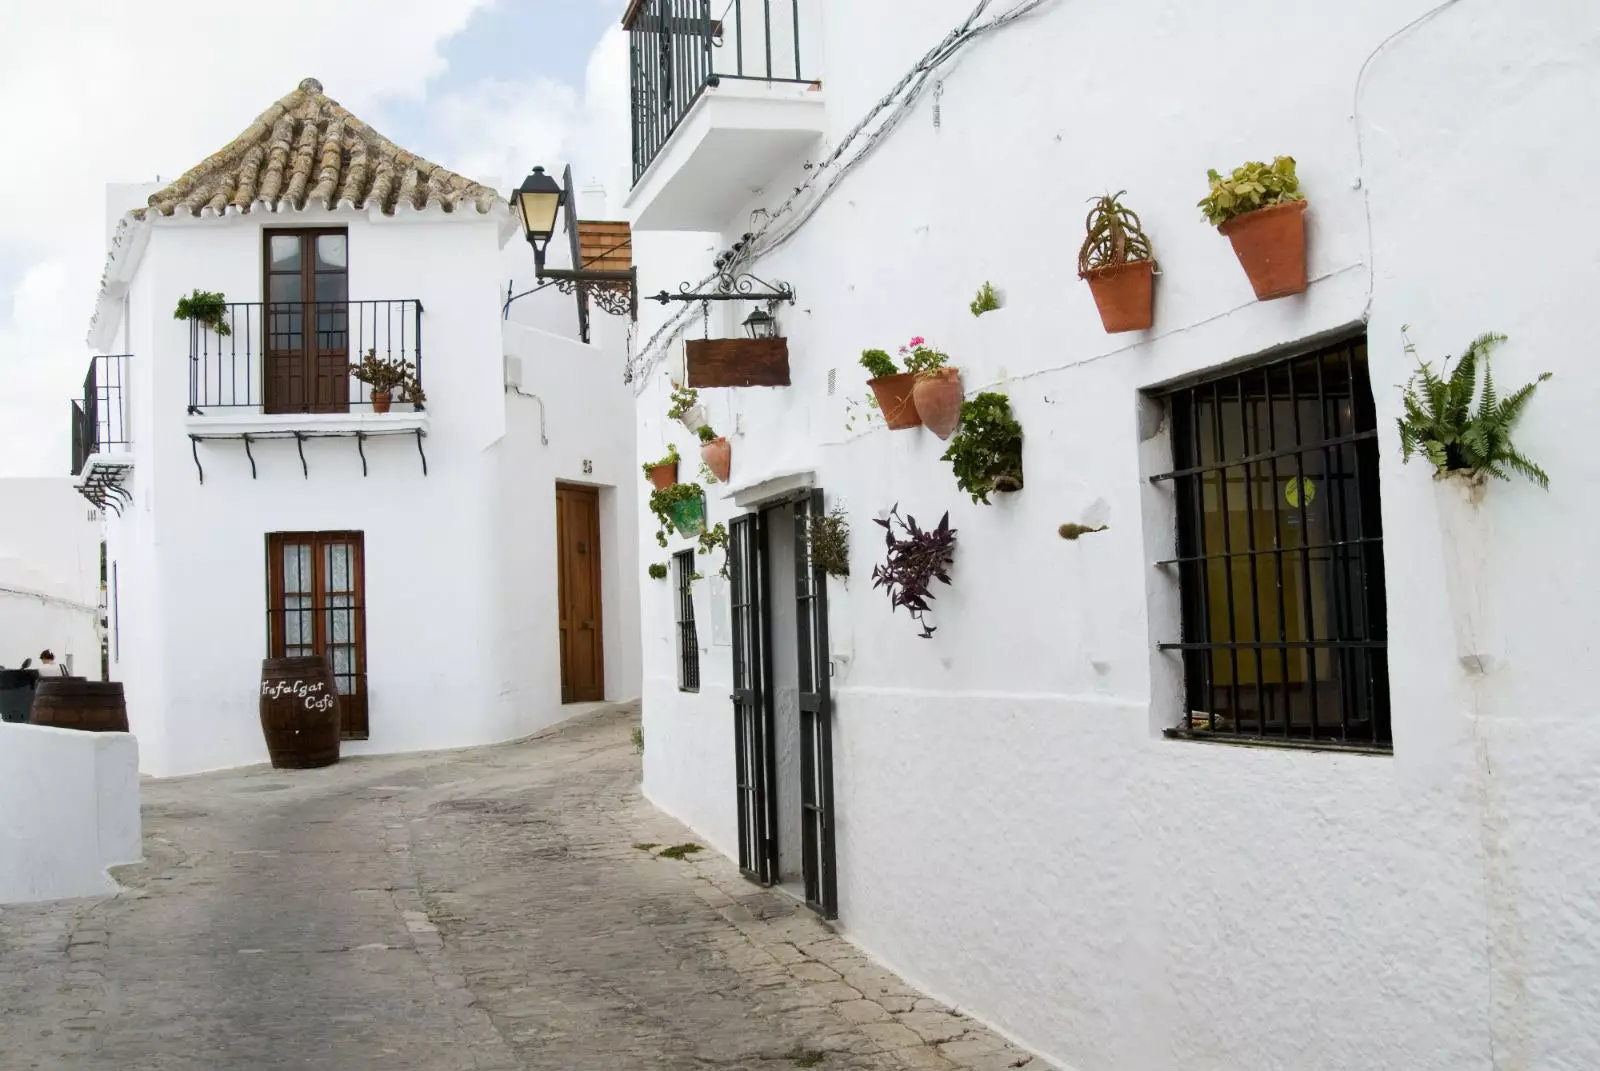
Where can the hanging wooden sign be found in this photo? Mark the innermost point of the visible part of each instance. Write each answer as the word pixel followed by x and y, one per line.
pixel 737 362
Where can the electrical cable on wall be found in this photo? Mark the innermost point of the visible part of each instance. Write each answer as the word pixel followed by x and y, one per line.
pixel 898 102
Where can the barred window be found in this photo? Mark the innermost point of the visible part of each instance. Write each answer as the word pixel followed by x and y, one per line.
pixel 688 641
pixel 1280 553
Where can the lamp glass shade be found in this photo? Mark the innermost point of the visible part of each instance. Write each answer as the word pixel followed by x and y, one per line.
pixel 540 198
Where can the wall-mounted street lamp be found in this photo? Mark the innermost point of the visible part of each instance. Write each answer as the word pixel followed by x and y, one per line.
pixel 540 200
pixel 761 324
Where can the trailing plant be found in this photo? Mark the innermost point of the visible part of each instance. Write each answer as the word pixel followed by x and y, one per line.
pixel 878 364
pixel 1441 425
pixel 1114 235
pixel 915 560
pixel 658 570
pixel 707 433
pixel 922 359
pixel 683 400
pixel 716 538
pixel 830 542
pixel 865 410
pixel 986 453
pixel 385 376
pixel 671 458
pixel 986 301
pixel 207 307
pixel 663 500
pixel 1252 186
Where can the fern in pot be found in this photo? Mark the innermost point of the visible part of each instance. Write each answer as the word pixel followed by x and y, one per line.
pixel 1458 422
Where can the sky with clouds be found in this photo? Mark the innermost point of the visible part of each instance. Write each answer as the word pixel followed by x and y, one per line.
pixel 98 91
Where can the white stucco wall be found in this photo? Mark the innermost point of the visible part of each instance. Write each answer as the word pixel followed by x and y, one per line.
pixel 1015 835
pixel 49 574
pixel 69 808
pixel 444 667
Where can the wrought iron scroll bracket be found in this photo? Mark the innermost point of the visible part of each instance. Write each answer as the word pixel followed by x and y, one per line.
pixel 728 286
pixel 421 454
pixel 194 448
pixel 300 444
pixel 250 455
pixel 361 448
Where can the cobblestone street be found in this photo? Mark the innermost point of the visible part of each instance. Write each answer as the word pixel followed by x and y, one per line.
pixel 490 909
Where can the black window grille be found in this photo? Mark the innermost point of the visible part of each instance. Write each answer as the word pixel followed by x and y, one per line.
pixel 688 641
pixel 1280 553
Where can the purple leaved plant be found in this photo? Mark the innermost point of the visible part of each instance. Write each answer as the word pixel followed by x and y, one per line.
pixel 916 559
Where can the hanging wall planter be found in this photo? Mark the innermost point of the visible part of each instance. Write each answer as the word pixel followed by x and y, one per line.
pixel 1261 210
pixel 1466 447
pixel 937 396
pixel 717 453
pixel 664 473
pixel 1116 262
pixel 680 508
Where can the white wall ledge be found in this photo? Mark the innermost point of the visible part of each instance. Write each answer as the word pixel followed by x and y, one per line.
pixel 287 425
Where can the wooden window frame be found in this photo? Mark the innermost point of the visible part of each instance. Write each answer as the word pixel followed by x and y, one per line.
pixel 352 705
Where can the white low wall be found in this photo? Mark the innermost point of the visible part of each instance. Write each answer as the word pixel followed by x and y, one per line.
pixel 69 808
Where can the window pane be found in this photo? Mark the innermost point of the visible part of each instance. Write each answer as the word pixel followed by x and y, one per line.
pixel 296 569
pixel 336 564
pixel 285 252
pixel 283 288
pixel 331 252
pixel 332 287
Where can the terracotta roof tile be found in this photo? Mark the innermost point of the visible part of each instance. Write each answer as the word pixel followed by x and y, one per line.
pixel 308 150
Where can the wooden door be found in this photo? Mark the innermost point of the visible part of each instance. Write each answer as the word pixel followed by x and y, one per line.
pixel 316 585
pixel 583 677
pixel 306 329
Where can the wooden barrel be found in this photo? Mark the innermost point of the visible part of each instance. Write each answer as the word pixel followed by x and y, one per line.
pixel 75 703
pixel 299 712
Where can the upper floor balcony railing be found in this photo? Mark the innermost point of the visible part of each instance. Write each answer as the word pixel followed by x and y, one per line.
pixel 678 48
pixel 295 356
pixel 99 420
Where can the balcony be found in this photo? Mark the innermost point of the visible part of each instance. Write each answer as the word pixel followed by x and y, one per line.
pixel 721 106
pixel 101 460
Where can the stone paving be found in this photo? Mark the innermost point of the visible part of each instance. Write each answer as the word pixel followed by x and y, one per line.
pixel 487 910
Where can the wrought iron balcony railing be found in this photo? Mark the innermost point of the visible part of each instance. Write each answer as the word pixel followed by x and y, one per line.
pixel 295 356
pixel 99 420
pixel 677 49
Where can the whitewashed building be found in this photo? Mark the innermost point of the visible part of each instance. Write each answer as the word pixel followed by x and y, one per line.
pixel 464 563
pixel 50 590
pixel 1125 804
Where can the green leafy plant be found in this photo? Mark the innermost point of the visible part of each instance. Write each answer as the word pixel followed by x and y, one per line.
pixel 207 307
pixel 637 734
pixel 679 851
pixel 878 363
pixel 662 502
pixel 658 570
pixel 830 542
pixel 1440 424
pixel 1114 235
pixel 671 458
pixel 1073 530
pixel 713 539
pixel 986 453
pixel 862 410
pixel 683 400
pixel 707 433
pixel 922 359
pixel 986 301
pixel 385 376
pixel 1255 185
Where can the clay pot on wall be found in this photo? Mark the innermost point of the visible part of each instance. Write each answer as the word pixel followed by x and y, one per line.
pixel 664 476
pixel 1271 246
pixel 380 401
pixel 694 417
pixel 1124 294
pixel 718 456
pixel 895 402
pixel 937 398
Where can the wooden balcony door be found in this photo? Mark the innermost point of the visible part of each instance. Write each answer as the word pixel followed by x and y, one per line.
pixel 583 676
pixel 306 344
pixel 316 605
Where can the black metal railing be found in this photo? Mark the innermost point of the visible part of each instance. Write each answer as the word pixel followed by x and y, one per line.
pixel 678 48
pixel 100 420
pixel 688 639
pixel 1280 553
pixel 295 356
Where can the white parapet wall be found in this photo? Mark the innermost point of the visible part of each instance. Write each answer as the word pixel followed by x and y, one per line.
pixel 69 809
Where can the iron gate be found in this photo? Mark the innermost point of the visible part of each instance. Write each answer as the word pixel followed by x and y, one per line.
pixel 752 713
pixel 816 722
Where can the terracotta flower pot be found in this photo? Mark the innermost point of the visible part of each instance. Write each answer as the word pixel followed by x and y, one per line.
pixel 937 397
pixel 1271 246
pixel 380 401
pixel 718 456
pixel 895 401
pixel 663 476
pixel 1123 293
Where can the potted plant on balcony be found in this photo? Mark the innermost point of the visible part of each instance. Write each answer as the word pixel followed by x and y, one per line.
pixel 384 377
pixel 1260 209
pixel 663 473
pixel 206 307
pixel 716 452
pixel 892 389
pixel 1116 262
pixel 936 390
